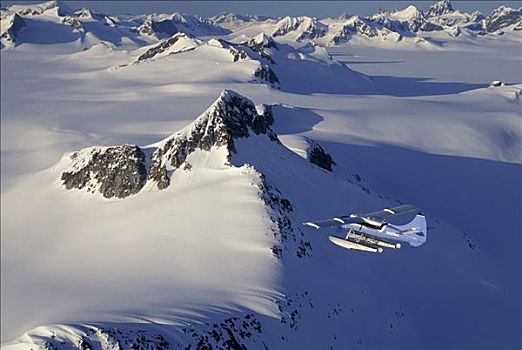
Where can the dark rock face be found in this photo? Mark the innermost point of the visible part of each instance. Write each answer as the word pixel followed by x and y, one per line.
pixel 313 31
pixel 318 156
pixel 265 73
pixel 158 170
pixel 231 333
pixel 288 239
pixel 161 47
pixel 117 171
pixel 344 34
pixel 165 26
pixel 151 27
pixel 427 26
pixel 238 55
pixel 120 171
pixel 73 22
pixel 232 116
pixel 365 28
pixel 261 42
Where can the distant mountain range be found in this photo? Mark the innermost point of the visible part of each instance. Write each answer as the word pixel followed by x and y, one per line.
pixel 389 26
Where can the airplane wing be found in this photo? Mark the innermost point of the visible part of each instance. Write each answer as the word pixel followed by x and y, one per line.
pixel 323 223
pixel 381 214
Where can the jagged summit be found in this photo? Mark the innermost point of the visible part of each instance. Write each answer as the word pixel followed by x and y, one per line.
pixel 262 41
pixel 440 8
pixel 120 171
pixel 230 116
pixel 305 27
pixel 503 17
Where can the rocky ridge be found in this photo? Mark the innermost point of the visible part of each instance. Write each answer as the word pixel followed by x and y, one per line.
pixel 179 42
pixel 120 171
pixel 161 26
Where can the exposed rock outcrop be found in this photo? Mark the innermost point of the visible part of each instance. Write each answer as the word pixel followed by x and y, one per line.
pixel 120 171
pixel 230 117
pixel 261 42
pixel 317 155
pixel 266 74
pixel 73 22
pixel 117 171
pixel 179 42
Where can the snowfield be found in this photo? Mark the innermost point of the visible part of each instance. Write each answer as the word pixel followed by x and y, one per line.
pixel 156 169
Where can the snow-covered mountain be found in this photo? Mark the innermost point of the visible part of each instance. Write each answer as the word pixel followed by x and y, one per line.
pixel 385 26
pixel 277 64
pixel 157 169
pixel 10 26
pixel 233 147
pixel 160 26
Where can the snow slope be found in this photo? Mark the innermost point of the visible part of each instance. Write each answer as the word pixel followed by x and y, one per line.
pixel 221 247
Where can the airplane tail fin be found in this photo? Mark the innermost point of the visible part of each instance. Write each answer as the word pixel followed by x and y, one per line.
pixel 419 223
pixel 416 230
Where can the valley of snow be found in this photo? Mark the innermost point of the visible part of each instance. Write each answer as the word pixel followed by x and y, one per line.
pixel 413 121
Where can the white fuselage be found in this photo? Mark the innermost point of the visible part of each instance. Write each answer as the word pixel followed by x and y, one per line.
pixel 413 232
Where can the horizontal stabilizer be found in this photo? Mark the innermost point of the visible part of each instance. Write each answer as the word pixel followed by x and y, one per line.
pixel 352 245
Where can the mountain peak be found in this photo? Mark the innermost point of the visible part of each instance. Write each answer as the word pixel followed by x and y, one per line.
pixel 407 14
pixel 121 171
pixel 230 117
pixel 440 8
pixel 263 40
pixel 233 116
